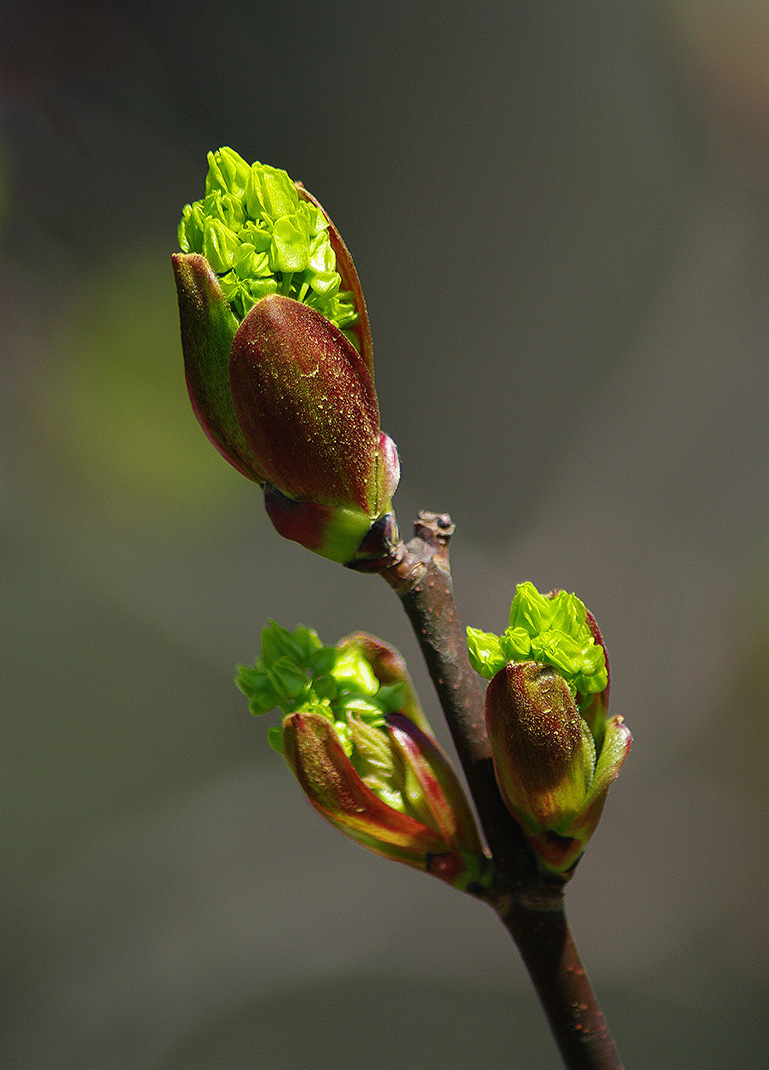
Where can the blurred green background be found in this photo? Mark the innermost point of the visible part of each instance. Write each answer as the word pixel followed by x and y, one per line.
pixel 559 215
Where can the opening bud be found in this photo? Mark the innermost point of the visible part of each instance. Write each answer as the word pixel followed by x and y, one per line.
pixel 556 751
pixel 357 741
pixel 278 358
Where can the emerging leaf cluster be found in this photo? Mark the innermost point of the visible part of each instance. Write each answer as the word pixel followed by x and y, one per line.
pixel 260 239
pixel 553 631
pixel 296 673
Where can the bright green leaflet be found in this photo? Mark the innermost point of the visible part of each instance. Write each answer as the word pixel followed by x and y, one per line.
pixel 260 239
pixel 297 673
pixel 553 631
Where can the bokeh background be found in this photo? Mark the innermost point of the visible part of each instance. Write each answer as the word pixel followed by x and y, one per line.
pixel 559 214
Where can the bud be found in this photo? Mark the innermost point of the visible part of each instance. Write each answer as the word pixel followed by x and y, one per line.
pixel 556 751
pixel 278 359
pixel 357 741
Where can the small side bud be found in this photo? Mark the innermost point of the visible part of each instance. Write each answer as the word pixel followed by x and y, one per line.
pixel 356 739
pixel 556 751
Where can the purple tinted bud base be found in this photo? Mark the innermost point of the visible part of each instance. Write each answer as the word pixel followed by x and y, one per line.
pixel 342 534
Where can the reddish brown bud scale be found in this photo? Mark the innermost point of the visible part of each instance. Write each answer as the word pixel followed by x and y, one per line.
pixel 306 404
pixel 302 522
pixel 350 281
pixel 208 327
pixel 316 757
pixel 448 807
pixel 537 743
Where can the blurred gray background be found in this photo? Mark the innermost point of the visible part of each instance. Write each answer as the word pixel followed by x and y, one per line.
pixel 559 214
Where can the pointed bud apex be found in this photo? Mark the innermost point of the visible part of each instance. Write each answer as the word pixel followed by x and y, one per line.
pixel 555 751
pixel 279 362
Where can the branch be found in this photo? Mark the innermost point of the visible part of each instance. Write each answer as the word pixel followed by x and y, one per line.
pixel 529 903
